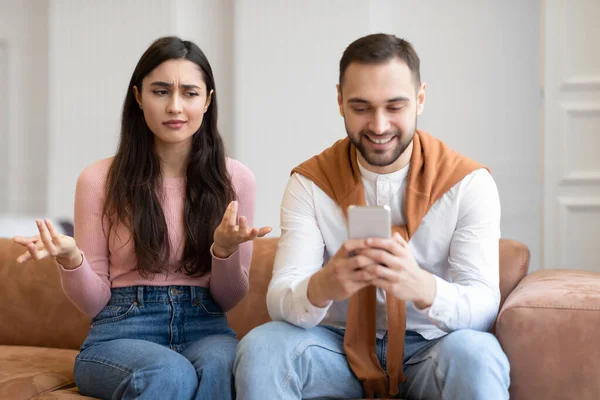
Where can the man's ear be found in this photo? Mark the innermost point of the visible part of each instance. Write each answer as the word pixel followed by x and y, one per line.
pixel 421 98
pixel 340 99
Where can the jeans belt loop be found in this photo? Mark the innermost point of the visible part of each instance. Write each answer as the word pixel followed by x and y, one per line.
pixel 140 296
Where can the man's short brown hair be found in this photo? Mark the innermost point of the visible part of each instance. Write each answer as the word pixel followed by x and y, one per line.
pixel 379 48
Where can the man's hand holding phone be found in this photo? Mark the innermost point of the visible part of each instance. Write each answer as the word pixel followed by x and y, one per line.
pixel 372 256
pixel 345 274
pixel 397 272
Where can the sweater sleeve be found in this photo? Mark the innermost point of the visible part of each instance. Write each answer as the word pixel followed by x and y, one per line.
pixel 88 285
pixel 229 277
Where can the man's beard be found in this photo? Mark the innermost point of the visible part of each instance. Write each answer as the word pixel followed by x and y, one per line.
pixel 383 158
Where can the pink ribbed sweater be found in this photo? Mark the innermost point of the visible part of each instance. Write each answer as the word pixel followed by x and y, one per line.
pixel 109 259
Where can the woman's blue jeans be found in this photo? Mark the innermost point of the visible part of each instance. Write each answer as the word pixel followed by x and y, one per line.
pixel 158 342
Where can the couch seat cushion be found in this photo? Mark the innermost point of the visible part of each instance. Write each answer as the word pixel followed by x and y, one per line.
pixel 29 371
pixel 65 394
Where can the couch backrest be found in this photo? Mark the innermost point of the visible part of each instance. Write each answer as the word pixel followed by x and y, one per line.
pixel 252 311
pixel 34 310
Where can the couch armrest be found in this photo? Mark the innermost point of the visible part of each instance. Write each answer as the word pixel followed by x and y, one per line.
pixel 514 262
pixel 548 328
pixel 34 310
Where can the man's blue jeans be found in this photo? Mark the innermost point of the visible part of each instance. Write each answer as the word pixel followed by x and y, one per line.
pixel 164 342
pixel 281 361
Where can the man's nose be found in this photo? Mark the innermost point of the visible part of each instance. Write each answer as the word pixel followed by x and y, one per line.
pixel 379 124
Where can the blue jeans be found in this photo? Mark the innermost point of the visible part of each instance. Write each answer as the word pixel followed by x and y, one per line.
pixel 158 342
pixel 281 361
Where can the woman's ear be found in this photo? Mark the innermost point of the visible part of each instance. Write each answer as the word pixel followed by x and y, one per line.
pixel 208 100
pixel 138 96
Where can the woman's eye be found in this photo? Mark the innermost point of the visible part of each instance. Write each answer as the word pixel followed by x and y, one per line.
pixel 160 92
pixel 192 94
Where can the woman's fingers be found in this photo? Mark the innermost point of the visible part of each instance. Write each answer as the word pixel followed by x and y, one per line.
pixel 32 250
pixel 24 257
pixel 25 240
pixel 264 230
pixel 228 217
pixel 232 211
pixel 243 226
pixel 55 235
pixel 46 238
pixel 36 254
pixel 48 242
pixel 234 229
pixel 253 233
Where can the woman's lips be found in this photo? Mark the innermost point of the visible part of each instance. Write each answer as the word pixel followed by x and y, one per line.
pixel 174 124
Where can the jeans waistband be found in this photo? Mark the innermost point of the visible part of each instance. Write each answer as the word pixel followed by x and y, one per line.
pixel 159 294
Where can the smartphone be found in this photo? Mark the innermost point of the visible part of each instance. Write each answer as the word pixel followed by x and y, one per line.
pixel 369 221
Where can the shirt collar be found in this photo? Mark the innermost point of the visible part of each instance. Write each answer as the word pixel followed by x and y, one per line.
pixel 374 177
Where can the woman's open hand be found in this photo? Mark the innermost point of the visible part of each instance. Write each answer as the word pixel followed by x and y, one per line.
pixel 231 233
pixel 50 243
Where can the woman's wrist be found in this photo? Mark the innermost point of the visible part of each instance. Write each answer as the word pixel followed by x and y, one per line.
pixel 72 260
pixel 222 252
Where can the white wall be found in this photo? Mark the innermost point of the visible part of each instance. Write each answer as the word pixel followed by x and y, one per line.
pixel 286 56
pixel 23 112
pixel 482 65
pixel 276 66
pixel 4 136
pixel 209 24
pixel 479 58
pixel 93 49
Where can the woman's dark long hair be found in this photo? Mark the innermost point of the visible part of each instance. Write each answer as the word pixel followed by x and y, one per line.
pixel 134 179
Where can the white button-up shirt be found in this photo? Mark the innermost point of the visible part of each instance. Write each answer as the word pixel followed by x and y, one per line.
pixel 457 241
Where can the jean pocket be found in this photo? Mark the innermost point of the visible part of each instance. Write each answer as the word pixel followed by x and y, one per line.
pixel 208 306
pixel 113 313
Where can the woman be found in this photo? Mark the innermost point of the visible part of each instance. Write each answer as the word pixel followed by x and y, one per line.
pixel 159 252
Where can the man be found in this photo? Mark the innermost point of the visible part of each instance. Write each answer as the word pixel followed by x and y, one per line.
pixel 406 316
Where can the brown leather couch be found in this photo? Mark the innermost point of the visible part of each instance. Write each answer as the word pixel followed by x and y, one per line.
pixel 549 326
